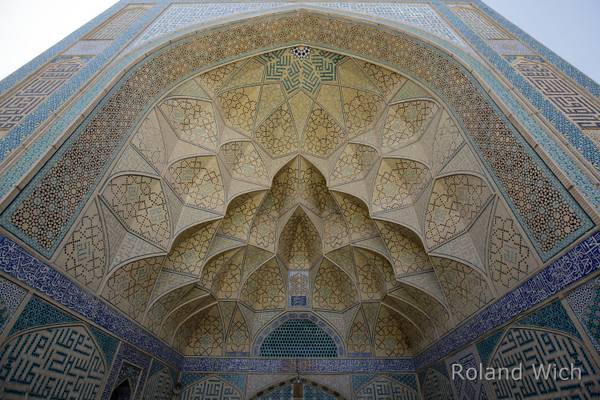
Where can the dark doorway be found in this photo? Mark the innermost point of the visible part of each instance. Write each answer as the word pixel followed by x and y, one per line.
pixel 122 392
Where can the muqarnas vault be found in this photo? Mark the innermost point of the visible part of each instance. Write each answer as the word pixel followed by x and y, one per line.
pixel 232 200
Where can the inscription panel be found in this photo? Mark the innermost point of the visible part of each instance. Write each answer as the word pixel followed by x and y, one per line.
pixel 14 107
pixel 570 100
pixel 52 363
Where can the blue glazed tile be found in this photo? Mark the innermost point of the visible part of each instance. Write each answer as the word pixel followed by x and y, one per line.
pixel 23 72
pixel 312 366
pixel 47 108
pixel 14 174
pixel 571 132
pixel 582 260
pixel 11 297
pixel 132 356
pixel 17 263
pixel 568 69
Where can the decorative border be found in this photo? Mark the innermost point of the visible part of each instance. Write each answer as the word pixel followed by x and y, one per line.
pixel 303 366
pixel 582 260
pixel 570 131
pixel 19 75
pixel 579 262
pixel 590 189
pixel 17 263
pixel 10 178
pixel 28 125
pixel 570 70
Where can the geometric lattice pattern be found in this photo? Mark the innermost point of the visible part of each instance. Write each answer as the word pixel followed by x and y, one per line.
pixel 198 181
pixel 354 163
pixel 359 338
pixel 465 288
pixel 264 288
pixel 187 254
pixel 406 122
pixel 405 248
pixel 455 202
pixel 298 338
pixel 390 338
pixel 243 161
pixel 333 289
pixel 201 335
pixel 140 204
pixel 193 120
pixel 510 257
pixel 83 256
pixel 399 183
pixel 238 337
pixel 129 288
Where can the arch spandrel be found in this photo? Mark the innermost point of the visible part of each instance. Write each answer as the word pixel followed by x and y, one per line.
pixel 326 112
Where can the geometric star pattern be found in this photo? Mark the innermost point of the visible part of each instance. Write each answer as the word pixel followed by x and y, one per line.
pixel 239 156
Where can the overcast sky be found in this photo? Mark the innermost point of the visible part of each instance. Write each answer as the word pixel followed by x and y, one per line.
pixel 569 27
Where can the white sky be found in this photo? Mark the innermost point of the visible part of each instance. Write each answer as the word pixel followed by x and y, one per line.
pixel 569 27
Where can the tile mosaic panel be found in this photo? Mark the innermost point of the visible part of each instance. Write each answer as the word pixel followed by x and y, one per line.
pixel 19 264
pixel 22 73
pixel 480 24
pixel 181 16
pixel 29 124
pixel 550 242
pixel 11 296
pixel 212 388
pixel 87 48
pixel 386 389
pixel 582 260
pixel 585 302
pixel 580 108
pixel 117 24
pixel 579 77
pixel 532 347
pixel 59 362
pixel 582 143
pixel 15 106
pixel 304 366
